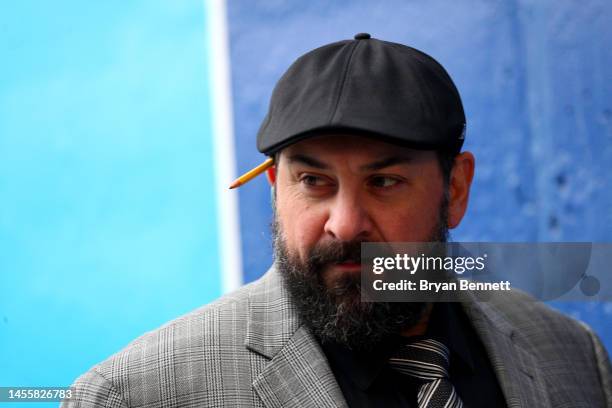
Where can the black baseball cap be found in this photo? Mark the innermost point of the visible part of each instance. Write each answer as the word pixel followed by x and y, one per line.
pixel 366 86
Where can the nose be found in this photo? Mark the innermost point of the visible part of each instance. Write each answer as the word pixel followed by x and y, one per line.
pixel 348 219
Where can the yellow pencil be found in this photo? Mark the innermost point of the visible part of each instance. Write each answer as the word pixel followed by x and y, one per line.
pixel 251 174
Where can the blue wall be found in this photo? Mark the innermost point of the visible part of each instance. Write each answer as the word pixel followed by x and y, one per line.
pixel 536 83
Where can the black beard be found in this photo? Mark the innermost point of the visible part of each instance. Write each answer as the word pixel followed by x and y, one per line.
pixel 336 313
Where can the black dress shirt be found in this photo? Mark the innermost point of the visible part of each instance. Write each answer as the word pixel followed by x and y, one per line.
pixel 366 380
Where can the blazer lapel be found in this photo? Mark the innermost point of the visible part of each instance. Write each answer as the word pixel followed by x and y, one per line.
pixel 299 376
pixel 517 370
pixel 297 373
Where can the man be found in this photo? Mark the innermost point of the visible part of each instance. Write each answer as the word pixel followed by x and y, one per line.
pixel 366 138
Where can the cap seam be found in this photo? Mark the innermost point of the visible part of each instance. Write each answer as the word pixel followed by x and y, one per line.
pixel 342 83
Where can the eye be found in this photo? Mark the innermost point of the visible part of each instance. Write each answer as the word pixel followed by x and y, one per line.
pixel 384 181
pixel 313 181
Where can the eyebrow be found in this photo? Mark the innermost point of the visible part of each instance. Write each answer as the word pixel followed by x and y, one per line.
pixel 387 162
pixel 378 165
pixel 308 161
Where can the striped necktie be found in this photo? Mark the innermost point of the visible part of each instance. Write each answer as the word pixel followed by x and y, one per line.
pixel 428 361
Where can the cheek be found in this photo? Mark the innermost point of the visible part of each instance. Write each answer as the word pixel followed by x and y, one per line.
pixel 412 221
pixel 302 224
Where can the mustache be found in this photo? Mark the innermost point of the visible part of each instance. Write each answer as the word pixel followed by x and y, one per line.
pixel 335 252
pixel 342 252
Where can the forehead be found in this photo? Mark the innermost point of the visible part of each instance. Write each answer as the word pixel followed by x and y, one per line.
pixel 351 147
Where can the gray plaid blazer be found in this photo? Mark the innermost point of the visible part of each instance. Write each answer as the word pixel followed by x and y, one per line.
pixel 250 349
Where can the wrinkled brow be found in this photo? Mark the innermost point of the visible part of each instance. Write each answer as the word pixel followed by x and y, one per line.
pixel 377 165
pixel 308 161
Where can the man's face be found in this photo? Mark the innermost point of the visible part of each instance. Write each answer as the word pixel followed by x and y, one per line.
pixel 332 193
pixel 349 188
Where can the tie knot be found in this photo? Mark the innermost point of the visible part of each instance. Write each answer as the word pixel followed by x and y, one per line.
pixel 426 359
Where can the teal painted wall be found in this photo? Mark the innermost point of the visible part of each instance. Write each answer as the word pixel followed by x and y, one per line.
pixel 107 218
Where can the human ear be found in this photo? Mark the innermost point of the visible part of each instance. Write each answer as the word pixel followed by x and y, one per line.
pixel 459 187
pixel 271 175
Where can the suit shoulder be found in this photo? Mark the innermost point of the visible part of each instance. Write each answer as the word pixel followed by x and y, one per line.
pixel 560 343
pixel 536 322
pixel 194 342
pixel 230 307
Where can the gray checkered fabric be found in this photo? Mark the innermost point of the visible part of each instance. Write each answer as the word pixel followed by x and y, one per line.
pixel 428 360
pixel 249 349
